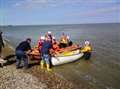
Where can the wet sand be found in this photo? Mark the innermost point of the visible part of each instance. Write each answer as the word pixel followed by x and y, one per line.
pixel 32 78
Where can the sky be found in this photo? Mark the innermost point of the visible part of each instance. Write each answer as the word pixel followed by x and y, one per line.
pixel 40 12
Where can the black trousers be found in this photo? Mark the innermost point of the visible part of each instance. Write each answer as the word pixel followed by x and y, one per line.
pixel 87 55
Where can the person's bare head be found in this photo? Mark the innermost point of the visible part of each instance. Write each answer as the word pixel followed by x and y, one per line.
pixel 28 40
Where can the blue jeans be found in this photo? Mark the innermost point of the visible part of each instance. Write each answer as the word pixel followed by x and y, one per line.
pixel 20 55
pixel 46 58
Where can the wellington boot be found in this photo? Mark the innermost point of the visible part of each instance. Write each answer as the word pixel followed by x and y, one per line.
pixel 48 67
pixel 42 65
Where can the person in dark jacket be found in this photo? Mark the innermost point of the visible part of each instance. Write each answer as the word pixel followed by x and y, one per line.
pixel 2 61
pixel 21 52
pixel 1 43
pixel 45 51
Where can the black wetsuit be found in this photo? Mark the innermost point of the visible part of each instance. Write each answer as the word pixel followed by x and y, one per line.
pixel 87 55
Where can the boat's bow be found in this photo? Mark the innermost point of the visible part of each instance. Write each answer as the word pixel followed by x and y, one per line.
pixel 70 57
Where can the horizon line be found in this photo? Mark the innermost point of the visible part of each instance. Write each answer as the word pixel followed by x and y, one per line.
pixel 59 24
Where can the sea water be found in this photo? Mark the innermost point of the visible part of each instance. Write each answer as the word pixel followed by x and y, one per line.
pixel 102 71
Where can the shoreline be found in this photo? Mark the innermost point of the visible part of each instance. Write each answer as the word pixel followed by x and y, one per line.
pixel 45 80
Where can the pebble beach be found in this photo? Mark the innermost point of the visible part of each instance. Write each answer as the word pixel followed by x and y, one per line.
pixel 32 78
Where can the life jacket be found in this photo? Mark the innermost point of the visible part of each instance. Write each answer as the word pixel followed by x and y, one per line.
pixel 40 42
pixel 87 49
pixel 64 40
pixel 56 47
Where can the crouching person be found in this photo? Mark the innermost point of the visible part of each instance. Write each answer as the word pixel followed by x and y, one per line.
pixel 45 52
pixel 21 53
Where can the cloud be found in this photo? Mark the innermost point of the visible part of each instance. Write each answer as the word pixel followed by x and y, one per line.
pixel 94 12
pixel 41 3
pixel 34 3
pixel 55 3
